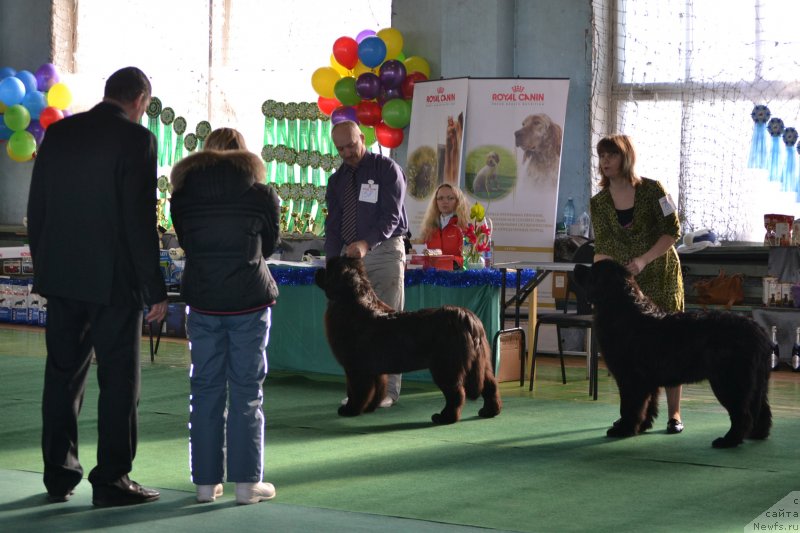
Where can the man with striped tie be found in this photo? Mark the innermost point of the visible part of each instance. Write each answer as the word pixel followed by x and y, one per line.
pixel 367 219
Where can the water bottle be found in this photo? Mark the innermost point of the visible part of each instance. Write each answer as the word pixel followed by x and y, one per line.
pixel 796 353
pixel 488 256
pixel 775 356
pixel 569 214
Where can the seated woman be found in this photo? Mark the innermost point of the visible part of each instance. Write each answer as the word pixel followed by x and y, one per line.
pixel 445 221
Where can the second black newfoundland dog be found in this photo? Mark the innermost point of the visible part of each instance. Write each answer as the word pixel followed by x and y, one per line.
pixel 646 348
pixel 370 339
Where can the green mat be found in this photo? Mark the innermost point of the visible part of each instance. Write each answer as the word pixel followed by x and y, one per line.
pixel 544 464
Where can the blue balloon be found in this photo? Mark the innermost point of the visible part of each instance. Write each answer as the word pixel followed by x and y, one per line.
pixel 5 72
pixel 12 91
pixel 35 101
pixel 372 51
pixel 28 80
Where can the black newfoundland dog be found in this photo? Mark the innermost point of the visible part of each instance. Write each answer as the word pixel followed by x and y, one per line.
pixel 646 348
pixel 370 339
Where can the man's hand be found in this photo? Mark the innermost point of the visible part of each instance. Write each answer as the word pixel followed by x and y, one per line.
pixel 357 249
pixel 157 312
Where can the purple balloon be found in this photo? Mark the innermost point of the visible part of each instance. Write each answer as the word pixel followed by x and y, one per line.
pixel 37 131
pixel 389 94
pixel 392 74
pixel 343 113
pixel 46 77
pixel 364 34
pixel 368 86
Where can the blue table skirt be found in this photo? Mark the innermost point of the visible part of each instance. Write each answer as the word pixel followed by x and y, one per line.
pixel 297 336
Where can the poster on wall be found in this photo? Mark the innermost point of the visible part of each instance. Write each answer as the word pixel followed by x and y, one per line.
pixel 435 142
pixel 512 160
pixel 500 141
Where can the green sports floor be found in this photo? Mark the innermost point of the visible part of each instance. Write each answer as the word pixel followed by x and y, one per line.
pixel 544 464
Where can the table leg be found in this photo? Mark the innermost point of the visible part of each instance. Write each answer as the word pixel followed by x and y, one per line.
pixel 533 312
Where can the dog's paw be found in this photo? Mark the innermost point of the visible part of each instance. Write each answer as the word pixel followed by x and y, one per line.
pixel 488 412
pixel 619 431
pixel 724 442
pixel 442 420
pixel 647 424
pixel 346 411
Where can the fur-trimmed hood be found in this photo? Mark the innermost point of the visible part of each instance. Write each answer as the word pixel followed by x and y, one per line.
pixel 218 173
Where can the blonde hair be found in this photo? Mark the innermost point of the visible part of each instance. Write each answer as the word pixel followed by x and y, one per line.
pixel 619 144
pixel 430 222
pixel 222 139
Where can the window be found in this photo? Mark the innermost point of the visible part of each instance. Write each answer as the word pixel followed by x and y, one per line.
pixel 215 60
pixel 682 78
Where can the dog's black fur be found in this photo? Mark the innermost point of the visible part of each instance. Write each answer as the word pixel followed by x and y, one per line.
pixel 646 348
pixel 370 339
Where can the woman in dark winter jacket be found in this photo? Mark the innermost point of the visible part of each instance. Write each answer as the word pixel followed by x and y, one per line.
pixel 226 219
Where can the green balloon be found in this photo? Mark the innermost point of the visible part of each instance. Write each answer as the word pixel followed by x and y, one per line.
pixel 345 91
pixel 396 113
pixel 22 144
pixel 369 135
pixel 17 117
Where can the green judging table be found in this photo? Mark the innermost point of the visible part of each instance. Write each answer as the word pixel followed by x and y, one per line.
pixel 297 335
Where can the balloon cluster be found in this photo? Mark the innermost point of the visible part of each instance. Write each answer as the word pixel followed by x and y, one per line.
pixel 371 82
pixel 29 103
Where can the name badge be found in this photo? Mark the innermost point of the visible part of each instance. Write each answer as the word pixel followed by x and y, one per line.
pixel 369 192
pixel 667 205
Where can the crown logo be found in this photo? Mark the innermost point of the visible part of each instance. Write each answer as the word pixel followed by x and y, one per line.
pixel 440 90
pixel 518 88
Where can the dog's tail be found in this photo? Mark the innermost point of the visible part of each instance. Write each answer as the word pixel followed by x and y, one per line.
pixel 477 341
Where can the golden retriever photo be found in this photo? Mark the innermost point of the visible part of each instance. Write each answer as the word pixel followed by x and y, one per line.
pixel 452 149
pixel 540 140
pixel 486 179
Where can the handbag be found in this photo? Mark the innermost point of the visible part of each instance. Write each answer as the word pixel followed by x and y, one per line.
pixel 722 290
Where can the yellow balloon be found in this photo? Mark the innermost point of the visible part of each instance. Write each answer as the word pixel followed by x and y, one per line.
pixel 323 80
pixel 338 67
pixel 393 40
pixel 59 96
pixel 361 68
pixel 417 64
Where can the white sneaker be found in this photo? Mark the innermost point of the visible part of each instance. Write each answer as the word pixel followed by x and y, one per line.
pixel 254 492
pixel 386 402
pixel 208 493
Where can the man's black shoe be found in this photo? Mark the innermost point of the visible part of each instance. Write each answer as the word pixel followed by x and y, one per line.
pixel 124 491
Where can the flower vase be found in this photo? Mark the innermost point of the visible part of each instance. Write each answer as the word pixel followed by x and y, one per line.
pixel 477 264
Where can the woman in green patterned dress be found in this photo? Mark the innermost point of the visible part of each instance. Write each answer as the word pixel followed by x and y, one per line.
pixel 636 224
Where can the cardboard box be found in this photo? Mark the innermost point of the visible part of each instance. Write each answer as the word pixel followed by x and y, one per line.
pixel 15 252
pixel 508 368
pixel 559 285
pixel 6 296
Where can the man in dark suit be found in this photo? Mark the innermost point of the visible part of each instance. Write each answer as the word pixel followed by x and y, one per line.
pixel 93 238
